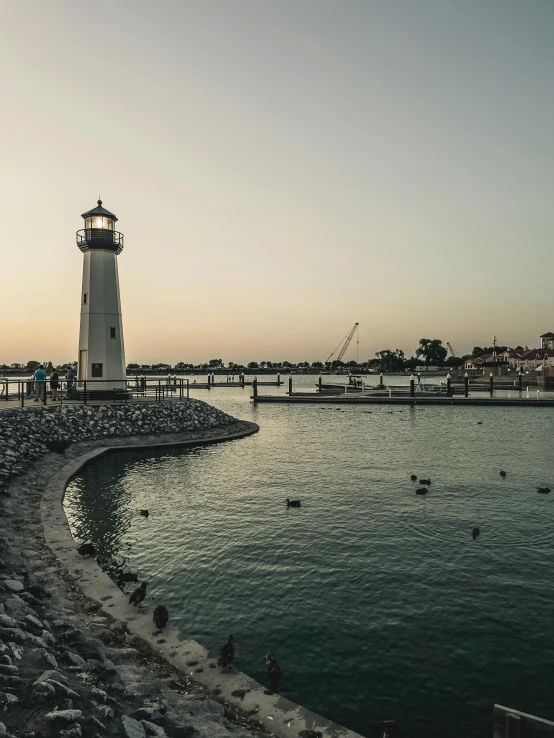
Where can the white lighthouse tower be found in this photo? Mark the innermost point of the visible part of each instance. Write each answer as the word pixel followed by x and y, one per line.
pixel 101 352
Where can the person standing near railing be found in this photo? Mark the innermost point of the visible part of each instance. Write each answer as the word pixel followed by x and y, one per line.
pixel 69 378
pixel 54 384
pixel 40 383
pixel 29 387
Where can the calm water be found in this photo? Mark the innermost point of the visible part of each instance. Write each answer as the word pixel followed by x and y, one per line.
pixel 377 603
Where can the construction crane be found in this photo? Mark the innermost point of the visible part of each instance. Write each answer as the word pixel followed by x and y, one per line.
pixel 345 345
pixel 452 352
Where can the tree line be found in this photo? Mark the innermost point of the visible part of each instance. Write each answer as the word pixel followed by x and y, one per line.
pixel 430 352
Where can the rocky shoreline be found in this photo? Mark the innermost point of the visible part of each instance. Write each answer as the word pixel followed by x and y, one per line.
pixel 67 668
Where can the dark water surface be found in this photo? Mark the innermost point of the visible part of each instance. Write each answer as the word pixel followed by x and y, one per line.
pixel 377 603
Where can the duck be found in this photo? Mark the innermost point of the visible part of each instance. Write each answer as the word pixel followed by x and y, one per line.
pixel 413 477
pixel 86 549
pixel 421 491
pixel 160 617
pixel 425 481
pixel 502 473
pixel 144 513
pixel 292 503
pixel 138 595
pixel 127 576
pixel 543 490
pixel 475 532
pixel 273 671
pixel 227 653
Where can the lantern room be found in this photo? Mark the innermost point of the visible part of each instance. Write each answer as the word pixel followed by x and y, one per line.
pixel 99 231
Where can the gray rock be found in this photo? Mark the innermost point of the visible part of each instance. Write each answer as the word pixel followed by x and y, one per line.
pixel 9 670
pixel 7 699
pixel 73 658
pixel 67 716
pixel 132 727
pixel 3 729
pixel 7 622
pixel 34 623
pixel 152 729
pixel 106 712
pixel 51 675
pixel 13 585
pixel 98 695
pixel 43 659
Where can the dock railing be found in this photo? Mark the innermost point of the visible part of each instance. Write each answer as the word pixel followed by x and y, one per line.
pixel 507 723
pixel 24 392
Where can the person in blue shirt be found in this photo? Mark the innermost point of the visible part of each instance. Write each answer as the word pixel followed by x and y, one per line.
pixel 40 383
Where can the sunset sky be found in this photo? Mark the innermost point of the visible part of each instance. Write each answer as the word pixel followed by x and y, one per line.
pixel 280 170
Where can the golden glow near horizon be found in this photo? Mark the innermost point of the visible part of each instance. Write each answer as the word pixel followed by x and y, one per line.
pixel 280 170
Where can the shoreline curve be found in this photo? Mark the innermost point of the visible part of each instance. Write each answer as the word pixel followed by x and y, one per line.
pixel 275 713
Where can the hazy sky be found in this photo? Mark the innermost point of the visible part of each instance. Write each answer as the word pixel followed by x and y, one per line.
pixel 280 170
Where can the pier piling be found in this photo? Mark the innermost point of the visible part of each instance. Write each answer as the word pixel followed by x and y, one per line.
pixel 491 384
pixel 255 387
pixel 290 385
pixel 412 386
pixel 449 385
pixel 466 385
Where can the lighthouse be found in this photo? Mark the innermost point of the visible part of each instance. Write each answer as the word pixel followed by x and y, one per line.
pixel 101 352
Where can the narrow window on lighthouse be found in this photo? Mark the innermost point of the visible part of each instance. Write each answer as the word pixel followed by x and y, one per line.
pixel 112 332
pixel 85 298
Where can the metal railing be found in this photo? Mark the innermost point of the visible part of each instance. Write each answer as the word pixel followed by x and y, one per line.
pixel 26 391
pixel 101 238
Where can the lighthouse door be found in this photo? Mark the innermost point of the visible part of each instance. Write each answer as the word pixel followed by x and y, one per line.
pixel 83 361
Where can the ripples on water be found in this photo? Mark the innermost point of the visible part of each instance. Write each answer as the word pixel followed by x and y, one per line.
pixel 377 603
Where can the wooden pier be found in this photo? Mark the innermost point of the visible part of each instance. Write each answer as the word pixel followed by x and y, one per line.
pixel 420 400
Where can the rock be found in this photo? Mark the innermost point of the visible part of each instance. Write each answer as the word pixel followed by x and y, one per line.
pixel 74 732
pixel 67 716
pixel 148 713
pixel 13 585
pixel 9 670
pixel 34 623
pixel 106 712
pixel 43 659
pixel 62 689
pixel 98 695
pixel 51 675
pixel 72 658
pixel 152 729
pixel 44 689
pixel 132 727
pixel 7 699
pixel 7 622
pixel 3 729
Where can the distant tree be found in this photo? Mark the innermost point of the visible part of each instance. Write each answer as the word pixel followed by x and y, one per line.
pixel 518 348
pixel 454 361
pixel 269 364
pixel 352 363
pixel 132 367
pixel 477 351
pixel 287 365
pixel 317 364
pixel 432 350
pixel 336 364
pixel 214 363
pixel 253 365
pixel 15 365
pixel 32 366
pixel 391 361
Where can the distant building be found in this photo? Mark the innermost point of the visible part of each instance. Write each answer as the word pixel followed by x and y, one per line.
pixel 547 340
pixel 525 359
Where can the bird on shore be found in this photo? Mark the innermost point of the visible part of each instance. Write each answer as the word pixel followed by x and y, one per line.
pixel 138 595
pixel 144 513
pixel 86 549
pixel 227 653
pixel 425 481
pixel 413 477
pixel 502 473
pixel 161 617
pixel 543 490
pixel 273 671
pixel 475 532
pixel 421 491
pixel 292 503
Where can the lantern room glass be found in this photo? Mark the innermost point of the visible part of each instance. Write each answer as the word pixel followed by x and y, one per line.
pixel 99 221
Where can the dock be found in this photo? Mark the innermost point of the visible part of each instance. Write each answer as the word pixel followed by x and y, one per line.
pixel 421 400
